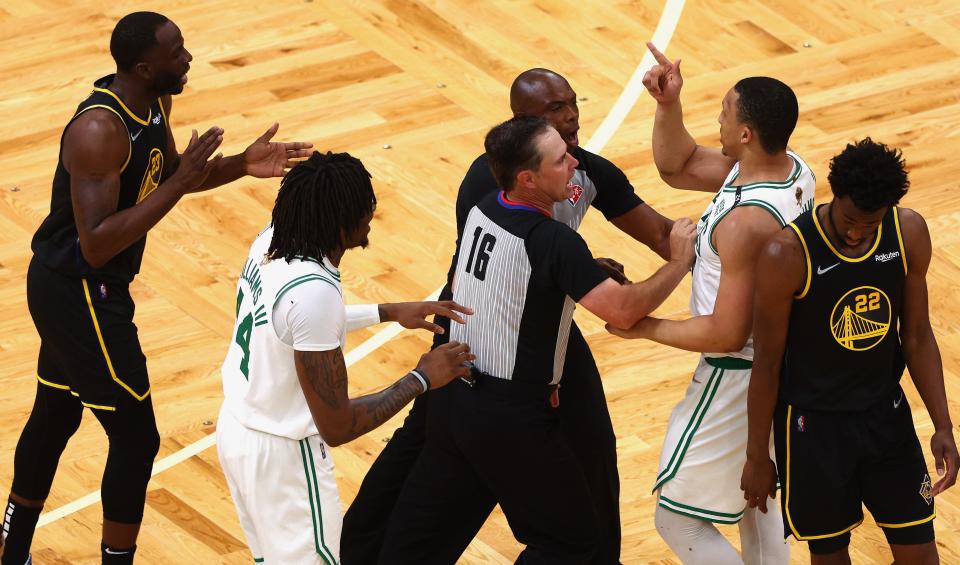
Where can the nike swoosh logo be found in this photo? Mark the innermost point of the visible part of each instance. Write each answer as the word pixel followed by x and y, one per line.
pixel 821 270
pixel 133 137
pixel 896 403
pixel 112 552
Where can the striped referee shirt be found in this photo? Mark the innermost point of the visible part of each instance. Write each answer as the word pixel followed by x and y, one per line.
pixel 522 273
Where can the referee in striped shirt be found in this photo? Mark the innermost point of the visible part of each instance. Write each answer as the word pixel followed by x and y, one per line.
pixel 522 272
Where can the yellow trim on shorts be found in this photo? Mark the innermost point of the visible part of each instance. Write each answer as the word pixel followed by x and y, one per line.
pixel 914 523
pixel 66 388
pixel 103 347
pixel 806 255
pixel 99 406
pixel 786 500
pixel 52 385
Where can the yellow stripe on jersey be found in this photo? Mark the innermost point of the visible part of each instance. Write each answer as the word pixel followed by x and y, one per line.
pixel 163 113
pixel 903 250
pixel 129 142
pixel 842 257
pixel 103 347
pixel 124 106
pixel 806 255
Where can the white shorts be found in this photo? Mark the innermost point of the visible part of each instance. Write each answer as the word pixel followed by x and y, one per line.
pixel 285 494
pixel 706 444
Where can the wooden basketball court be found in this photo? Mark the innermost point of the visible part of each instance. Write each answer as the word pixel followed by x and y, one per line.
pixel 411 87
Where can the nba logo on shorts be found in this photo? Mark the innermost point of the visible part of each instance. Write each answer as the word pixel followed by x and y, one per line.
pixel 577 193
pixel 801 424
pixel 103 291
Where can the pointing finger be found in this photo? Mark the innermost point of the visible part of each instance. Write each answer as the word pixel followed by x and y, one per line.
pixel 660 57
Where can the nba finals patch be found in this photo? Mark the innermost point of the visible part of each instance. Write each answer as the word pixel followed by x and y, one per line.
pixel 926 489
pixel 577 193
pixel 861 318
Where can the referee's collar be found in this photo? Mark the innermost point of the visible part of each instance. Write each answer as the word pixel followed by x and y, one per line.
pixel 509 204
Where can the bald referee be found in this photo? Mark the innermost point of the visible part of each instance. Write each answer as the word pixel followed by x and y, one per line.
pixel 496 433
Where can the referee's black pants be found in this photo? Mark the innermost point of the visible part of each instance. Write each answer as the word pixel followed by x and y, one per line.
pixel 585 422
pixel 502 439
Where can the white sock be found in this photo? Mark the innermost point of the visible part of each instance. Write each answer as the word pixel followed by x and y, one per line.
pixel 761 537
pixel 696 542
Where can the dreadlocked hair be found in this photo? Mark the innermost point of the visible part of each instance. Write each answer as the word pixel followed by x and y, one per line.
pixel 320 201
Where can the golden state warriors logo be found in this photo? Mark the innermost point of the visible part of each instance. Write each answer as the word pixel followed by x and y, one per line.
pixel 861 318
pixel 151 177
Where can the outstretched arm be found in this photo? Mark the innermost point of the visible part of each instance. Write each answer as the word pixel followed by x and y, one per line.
pixel 262 159
pixel 920 347
pixel 622 306
pixel 781 269
pixel 739 239
pixel 95 149
pixel 681 162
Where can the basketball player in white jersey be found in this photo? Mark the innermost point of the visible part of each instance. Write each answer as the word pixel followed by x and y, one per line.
pixel 759 187
pixel 284 376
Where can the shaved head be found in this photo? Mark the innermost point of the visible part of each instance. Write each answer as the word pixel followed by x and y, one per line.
pixel 545 94
pixel 530 86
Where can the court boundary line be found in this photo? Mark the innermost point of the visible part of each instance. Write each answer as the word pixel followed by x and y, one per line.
pixel 662 36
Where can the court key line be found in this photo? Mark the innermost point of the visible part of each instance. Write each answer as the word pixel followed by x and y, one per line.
pixel 618 113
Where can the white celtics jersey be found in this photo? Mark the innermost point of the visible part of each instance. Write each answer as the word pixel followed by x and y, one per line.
pixel 784 200
pixel 260 385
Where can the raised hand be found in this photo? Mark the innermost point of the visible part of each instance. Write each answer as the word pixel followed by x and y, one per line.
pixel 195 162
pixel 663 81
pixel 412 315
pixel 265 158
pixel 445 363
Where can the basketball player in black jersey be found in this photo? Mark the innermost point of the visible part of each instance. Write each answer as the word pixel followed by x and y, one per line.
pixel 119 173
pixel 841 307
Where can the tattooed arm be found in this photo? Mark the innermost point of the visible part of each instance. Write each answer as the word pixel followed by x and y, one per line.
pixel 340 419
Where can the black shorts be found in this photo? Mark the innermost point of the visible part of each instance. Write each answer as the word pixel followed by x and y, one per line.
pixel 833 463
pixel 88 342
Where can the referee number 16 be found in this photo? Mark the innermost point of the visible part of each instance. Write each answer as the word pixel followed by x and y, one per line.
pixel 481 252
